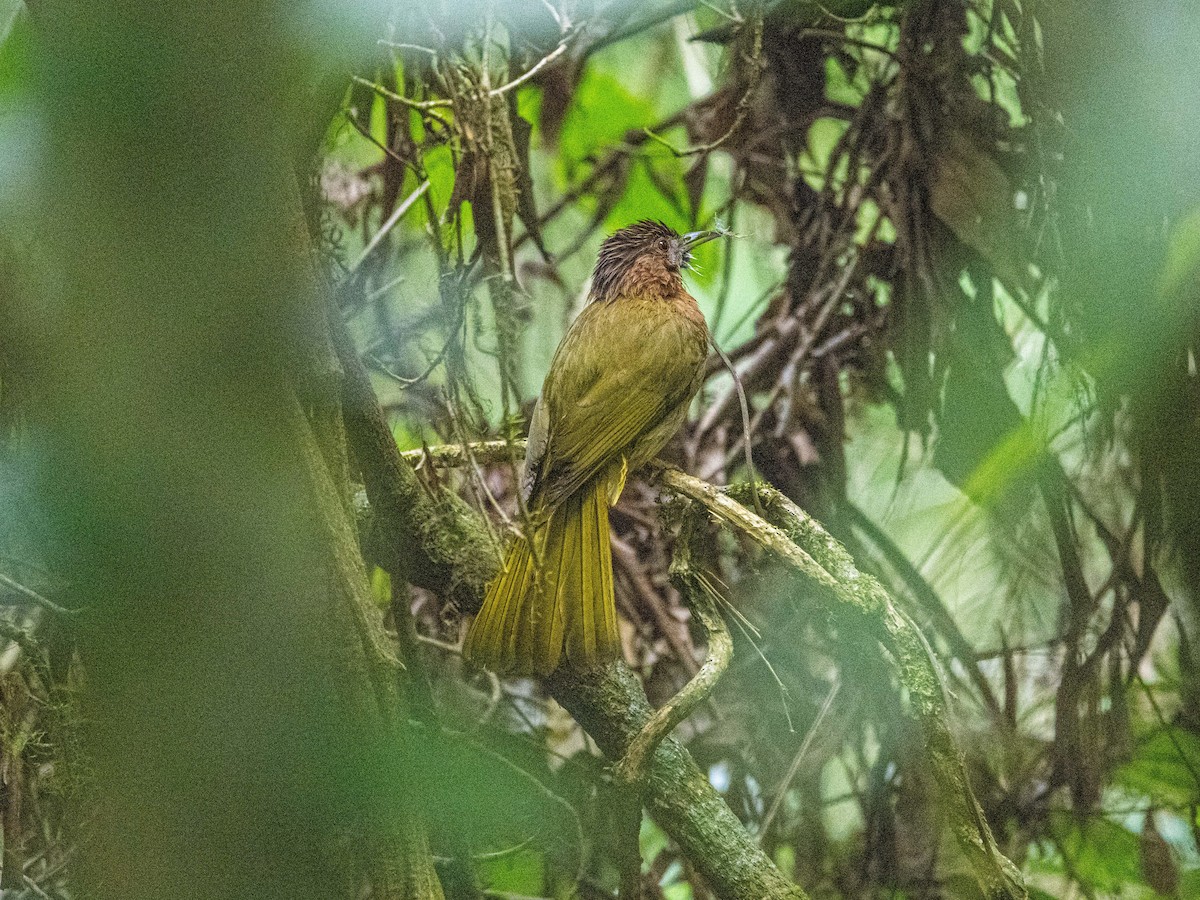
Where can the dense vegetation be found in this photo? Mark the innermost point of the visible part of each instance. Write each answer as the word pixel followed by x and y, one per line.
pixel 278 287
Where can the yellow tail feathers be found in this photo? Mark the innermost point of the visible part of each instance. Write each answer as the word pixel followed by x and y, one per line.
pixel 529 617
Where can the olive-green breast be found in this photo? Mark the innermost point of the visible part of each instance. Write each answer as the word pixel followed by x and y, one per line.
pixel 619 385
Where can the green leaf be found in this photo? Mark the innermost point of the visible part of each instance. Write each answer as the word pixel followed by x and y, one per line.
pixel 643 198
pixel 785 858
pixel 529 105
pixel 602 111
pixel 840 87
pixel 823 137
pixel 523 873
pixel 652 841
pixel 1164 767
pixel 439 166
pixel 1183 256
pixel 1100 852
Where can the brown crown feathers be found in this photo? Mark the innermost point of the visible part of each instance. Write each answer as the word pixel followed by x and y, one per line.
pixel 643 258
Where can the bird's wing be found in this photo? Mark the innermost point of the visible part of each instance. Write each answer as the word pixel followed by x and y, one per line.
pixel 621 369
pixel 535 449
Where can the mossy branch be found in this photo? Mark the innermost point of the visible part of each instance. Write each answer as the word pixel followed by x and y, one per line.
pixel 633 765
pixel 632 770
pixel 428 537
pixel 803 545
pixel 861 596
pixel 452 556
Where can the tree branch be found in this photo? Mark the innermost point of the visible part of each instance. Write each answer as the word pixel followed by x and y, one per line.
pixel 863 597
pixel 632 769
pixel 611 705
pixel 803 545
pixel 429 538
pixel 450 555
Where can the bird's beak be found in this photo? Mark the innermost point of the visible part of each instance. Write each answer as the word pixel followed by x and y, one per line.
pixel 696 238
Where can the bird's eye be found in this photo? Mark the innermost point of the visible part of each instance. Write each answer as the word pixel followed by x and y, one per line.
pixel 662 245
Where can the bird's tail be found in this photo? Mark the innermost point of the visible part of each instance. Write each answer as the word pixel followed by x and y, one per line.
pixel 532 613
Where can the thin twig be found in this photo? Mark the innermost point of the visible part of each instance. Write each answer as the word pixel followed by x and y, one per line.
pixel 559 19
pixel 747 432
pixel 765 826
pixel 420 105
pixel 30 594
pixel 741 111
pixel 387 226
pixel 394 45
pixel 532 70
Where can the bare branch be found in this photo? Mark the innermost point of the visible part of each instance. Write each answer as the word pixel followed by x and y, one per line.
pixel 532 70
pixel 387 226
pixel 30 594
pixel 421 105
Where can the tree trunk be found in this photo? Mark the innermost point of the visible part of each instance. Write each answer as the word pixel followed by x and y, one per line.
pixel 241 695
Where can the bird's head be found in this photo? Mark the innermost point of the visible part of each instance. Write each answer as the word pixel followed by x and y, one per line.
pixel 646 256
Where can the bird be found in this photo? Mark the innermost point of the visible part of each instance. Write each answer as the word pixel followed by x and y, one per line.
pixel 619 386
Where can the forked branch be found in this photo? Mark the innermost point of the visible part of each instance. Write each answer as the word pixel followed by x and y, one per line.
pixel 801 543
